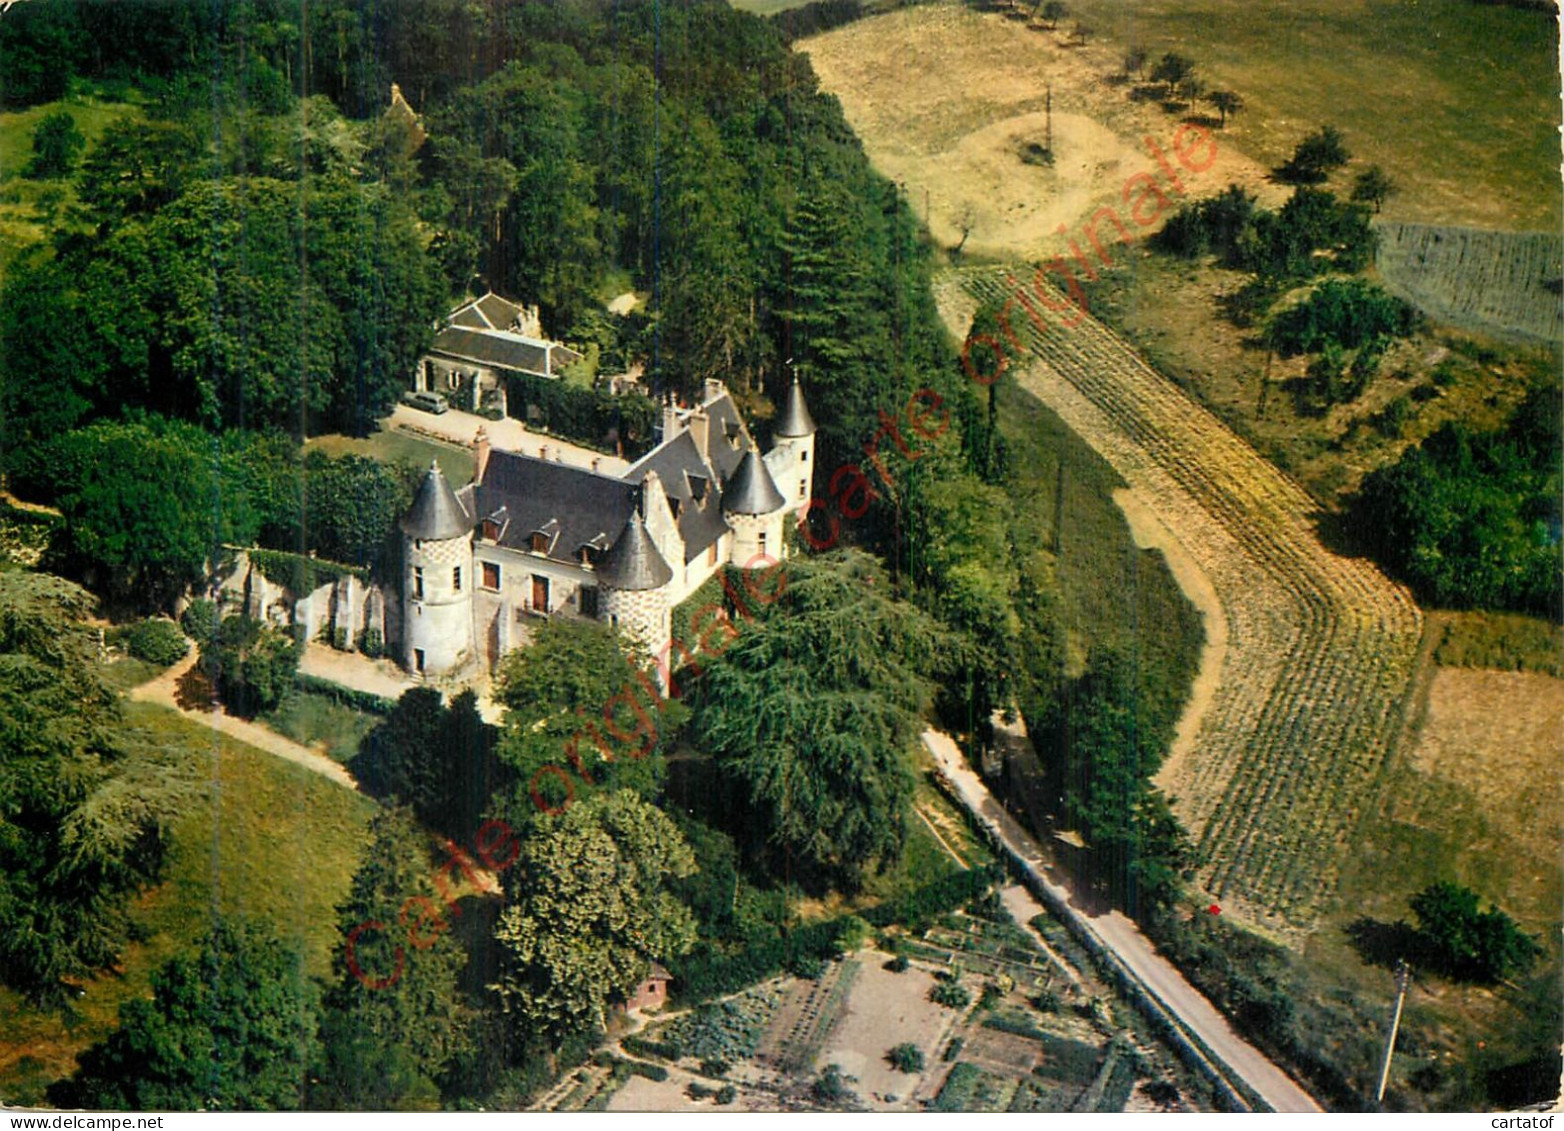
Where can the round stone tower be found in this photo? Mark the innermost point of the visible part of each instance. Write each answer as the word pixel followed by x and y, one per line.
pixel 632 581
pixel 794 435
pixel 754 509
pixel 437 580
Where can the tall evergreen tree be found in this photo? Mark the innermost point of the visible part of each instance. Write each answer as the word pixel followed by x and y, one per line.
pixel 393 1020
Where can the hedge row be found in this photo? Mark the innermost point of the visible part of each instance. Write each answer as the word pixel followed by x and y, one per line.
pixel 298 573
pixel 347 696
pixel 708 973
pixel 645 1046
pixel 588 416
pixel 933 899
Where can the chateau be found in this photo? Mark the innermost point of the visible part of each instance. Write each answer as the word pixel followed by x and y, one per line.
pixel 531 538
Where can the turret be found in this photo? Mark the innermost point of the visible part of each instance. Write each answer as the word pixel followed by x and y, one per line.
pixel 792 455
pixel 437 580
pixel 754 509
pixel 632 580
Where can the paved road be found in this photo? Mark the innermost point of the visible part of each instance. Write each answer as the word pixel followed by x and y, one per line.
pixel 163 690
pixel 1119 934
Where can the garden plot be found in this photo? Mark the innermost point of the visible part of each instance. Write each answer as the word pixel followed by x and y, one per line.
pixel 883 1010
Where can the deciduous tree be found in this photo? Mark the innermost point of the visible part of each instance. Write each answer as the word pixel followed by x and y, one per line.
pixel 231 1028
pixel 589 911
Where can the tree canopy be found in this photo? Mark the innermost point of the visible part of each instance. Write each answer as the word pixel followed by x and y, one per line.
pixel 81 820
pixel 588 911
pixel 393 1019
pixel 231 1028
pixel 1472 520
pixel 815 710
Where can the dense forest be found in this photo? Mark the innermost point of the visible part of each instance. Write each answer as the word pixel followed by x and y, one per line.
pixel 254 253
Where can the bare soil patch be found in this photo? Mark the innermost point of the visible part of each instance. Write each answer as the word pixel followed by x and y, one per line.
pixel 946 98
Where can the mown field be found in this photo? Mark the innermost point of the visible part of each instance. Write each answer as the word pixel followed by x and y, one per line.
pixel 258 837
pixel 1320 648
pixel 26 204
pixel 1506 283
pixel 1458 101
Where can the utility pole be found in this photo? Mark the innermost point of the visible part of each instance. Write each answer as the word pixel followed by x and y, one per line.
pixel 1403 979
pixel 1048 105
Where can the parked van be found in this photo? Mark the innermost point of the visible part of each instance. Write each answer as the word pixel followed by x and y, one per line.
pixel 429 402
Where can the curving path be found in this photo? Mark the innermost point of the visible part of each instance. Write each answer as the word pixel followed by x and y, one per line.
pixel 164 691
pixel 1319 650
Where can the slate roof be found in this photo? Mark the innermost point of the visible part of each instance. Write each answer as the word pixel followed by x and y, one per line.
pixel 633 562
pixel 751 490
pixel 794 420
pixel 572 506
pixel 688 481
pixel 726 425
pixel 491 312
pixel 496 347
pixel 436 513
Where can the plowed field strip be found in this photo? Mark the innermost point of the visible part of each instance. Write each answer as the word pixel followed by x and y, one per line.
pixel 1320 650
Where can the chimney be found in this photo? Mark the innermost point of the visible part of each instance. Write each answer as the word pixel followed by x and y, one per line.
pixel 595 462
pixel 543 451
pixel 714 389
pixel 700 429
pixel 480 453
pixel 670 417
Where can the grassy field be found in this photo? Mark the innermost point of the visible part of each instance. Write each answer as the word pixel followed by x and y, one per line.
pixel 21 199
pixel 260 837
pixel 1463 804
pixel 399 447
pixel 1110 592
pixel 1457 101
pixel 322 722
pixel 1171 310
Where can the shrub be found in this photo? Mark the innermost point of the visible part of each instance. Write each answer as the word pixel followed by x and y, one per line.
pixel 157 641
pixel 898 964
pixel 253 664
pixel 645 1046
pixel 373 644
pixel 990 996
pixel 651 1071
pixel 697 1090
pixel 906 1057
pixel 727 1094
pixel 831 1085
pixel 199 620
pixel 808 966
pixel 1352 313
pixel 714 1066
pixel 339 638
pixel 950 993
pixel 953 1050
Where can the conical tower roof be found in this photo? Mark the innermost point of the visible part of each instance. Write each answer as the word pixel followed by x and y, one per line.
pixel 633 562
pixel 794 422
pixel 436 512
pixel 751 490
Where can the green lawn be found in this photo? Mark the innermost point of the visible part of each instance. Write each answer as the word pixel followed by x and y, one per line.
pixel 399 447
pixel 21 199
pixel 259 837
pixel 311 719
pixel 1109 590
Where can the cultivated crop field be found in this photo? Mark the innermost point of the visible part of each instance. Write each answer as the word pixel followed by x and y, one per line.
pixel 1320 648
pixel 1499 282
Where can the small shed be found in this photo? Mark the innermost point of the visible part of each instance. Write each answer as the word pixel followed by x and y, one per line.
pixel 652 993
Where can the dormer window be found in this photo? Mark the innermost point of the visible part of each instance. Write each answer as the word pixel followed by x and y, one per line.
pixel 698 487
pixel 539 542
pixel 589 556
pixel 491 530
